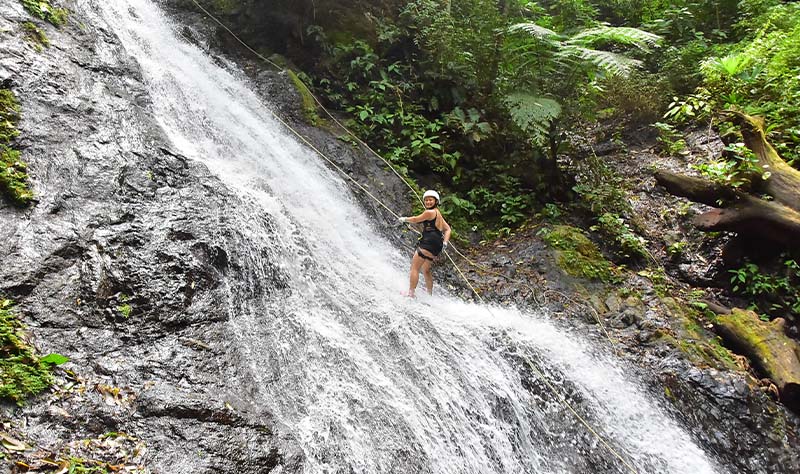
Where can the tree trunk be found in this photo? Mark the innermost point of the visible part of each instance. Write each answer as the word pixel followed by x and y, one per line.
pixel 775 220
pixel 783 183
pixel 773 354
pixel 744 214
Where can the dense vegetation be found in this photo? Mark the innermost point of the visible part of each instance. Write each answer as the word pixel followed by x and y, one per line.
pixel 481 97
pixel 486 100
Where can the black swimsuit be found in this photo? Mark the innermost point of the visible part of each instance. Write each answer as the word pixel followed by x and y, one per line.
pixel 432 239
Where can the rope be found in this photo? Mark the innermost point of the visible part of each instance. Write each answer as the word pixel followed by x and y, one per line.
pixel 533 366
pixel 594 312
pixel 391 167
pixel 577 415
pixel 336 121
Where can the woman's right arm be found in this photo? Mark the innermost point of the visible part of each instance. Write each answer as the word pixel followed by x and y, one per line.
pixel 426 215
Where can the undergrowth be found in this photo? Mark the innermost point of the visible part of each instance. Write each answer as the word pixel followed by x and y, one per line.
pixel 771 294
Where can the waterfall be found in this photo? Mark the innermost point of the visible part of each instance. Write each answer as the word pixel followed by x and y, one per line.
pixel 366 380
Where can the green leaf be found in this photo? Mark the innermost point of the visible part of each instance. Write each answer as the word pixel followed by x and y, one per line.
pixel 534 30
pixel 55 359
pixel 533 114
pixel 612 63
pixel 616 34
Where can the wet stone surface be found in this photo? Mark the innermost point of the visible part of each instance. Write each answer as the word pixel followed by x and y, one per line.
pixel 123 221
pixel 119 266
pixel 728 413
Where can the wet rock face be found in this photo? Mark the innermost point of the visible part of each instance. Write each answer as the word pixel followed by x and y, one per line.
pixel 121 263
pixel 734 419
pixel 727 413
pixel 121 266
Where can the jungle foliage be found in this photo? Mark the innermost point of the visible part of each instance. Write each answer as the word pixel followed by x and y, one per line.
pixel 480 97
pixel 438 90
pixel 484 99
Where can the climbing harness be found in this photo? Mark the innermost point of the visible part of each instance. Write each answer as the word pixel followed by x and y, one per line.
pixel 527 360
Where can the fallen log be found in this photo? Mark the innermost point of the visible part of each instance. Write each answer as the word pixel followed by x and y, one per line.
pixel 695 189
pixel 742 213
pixel 783 182
pixel 772 353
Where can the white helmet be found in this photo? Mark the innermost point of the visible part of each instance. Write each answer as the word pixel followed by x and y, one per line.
pixel 433 193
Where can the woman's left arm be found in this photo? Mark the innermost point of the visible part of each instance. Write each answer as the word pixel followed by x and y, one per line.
pixel 446 233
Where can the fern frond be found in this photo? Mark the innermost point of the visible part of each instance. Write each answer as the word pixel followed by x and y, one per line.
pixel 730 65
pixel 612 63
pixel 534 30
pixel 615 34
pixel 533 114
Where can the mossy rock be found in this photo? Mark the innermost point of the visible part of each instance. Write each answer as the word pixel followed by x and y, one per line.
pixel 22 373
pixel 227 7
pixel 47 12
pixel 9 116
pixel 309 105
pixel 13 171
pixel 700 346
pixel 36 36
pixel 773 353
pixel 577 255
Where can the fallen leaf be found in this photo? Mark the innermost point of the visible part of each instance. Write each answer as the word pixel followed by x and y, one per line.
pixel 59 412
pixel 12 444
pixel 63 467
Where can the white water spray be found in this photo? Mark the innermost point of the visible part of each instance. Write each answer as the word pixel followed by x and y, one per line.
pixel 366 380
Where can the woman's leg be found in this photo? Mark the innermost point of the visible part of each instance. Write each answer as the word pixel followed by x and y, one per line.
pixel 416 263
pixel 426 270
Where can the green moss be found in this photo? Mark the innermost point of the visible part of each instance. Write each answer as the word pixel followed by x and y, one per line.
pixel 125 310
pixel 36 36
pixel 14 177
pixel 22 373
pixel 44 10
pixel 9 116
pixel 225 6
pixel 124 307
pixel 701 347
pixel 577 255
pixel 753 334
pixel 309 105
pixel 13 171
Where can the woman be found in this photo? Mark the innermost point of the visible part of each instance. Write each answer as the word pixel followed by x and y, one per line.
pixel 435 235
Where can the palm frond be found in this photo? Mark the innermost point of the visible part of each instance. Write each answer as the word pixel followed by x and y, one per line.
pixel 615 34
pixel 532 113
pixel 612 63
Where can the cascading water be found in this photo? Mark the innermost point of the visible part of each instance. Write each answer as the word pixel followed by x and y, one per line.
pixel 368 381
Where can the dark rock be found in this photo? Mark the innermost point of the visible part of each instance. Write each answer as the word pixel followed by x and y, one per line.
pixel 122 259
